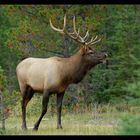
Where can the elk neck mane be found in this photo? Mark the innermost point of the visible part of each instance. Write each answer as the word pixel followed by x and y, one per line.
pixel 79 67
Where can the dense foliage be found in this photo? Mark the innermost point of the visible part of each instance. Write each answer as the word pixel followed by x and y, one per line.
pixel 25 31
pixel 130 125
pixel 7 101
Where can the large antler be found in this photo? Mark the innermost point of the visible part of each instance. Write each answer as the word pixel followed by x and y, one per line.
pixel 75 35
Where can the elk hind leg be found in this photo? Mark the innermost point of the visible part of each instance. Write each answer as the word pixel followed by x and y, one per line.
pixel 26 97
pixel 45 101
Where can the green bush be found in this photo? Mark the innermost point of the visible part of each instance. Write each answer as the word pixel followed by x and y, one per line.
pixel 3 81
pixel 9 100
pixel 134 102
pixel 129 125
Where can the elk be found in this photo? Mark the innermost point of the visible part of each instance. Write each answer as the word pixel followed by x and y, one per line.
pixel 55 74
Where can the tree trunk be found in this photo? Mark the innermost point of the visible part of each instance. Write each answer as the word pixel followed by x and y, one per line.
pixel 2 115
pixel 65 47
pixel 84 82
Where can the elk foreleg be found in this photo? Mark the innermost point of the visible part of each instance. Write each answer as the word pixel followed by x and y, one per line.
pixel 59 108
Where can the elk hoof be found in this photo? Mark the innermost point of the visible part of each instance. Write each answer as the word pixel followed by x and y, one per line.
pixel 24 128
pixel 35 128
pixel 59 127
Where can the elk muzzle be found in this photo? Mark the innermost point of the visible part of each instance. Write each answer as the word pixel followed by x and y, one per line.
pixel 104 61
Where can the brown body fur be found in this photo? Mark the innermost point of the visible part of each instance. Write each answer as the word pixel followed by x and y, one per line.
pixel 53 75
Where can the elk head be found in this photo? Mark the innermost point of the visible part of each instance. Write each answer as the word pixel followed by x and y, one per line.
pixel 89 53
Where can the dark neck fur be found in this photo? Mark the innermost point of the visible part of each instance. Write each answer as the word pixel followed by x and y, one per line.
pixel 80 69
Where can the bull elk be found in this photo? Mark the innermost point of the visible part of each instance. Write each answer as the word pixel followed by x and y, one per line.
pixel 55 74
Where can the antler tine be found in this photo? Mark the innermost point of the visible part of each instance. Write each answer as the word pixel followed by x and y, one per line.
pixel 95 41
pixel 77 34
pixel 64 22
pixel 92 41
pixel 95 38
pixel 82 40
pixel 86 36
pixel 74 27
pixel 89 41
pixel 78 37
pixel 57 29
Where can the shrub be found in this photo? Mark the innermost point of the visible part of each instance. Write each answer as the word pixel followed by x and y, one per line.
pixel 129 125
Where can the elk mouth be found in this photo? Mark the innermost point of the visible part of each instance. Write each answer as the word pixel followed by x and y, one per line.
pixel 103 60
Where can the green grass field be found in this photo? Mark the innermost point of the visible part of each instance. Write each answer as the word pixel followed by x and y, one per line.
pixel 101 120
pixel 73 124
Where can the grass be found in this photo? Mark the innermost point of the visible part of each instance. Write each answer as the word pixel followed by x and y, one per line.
pixel 101 120
pixel 73 124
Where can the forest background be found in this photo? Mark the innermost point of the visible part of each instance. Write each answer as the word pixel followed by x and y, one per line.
pixel 25 32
